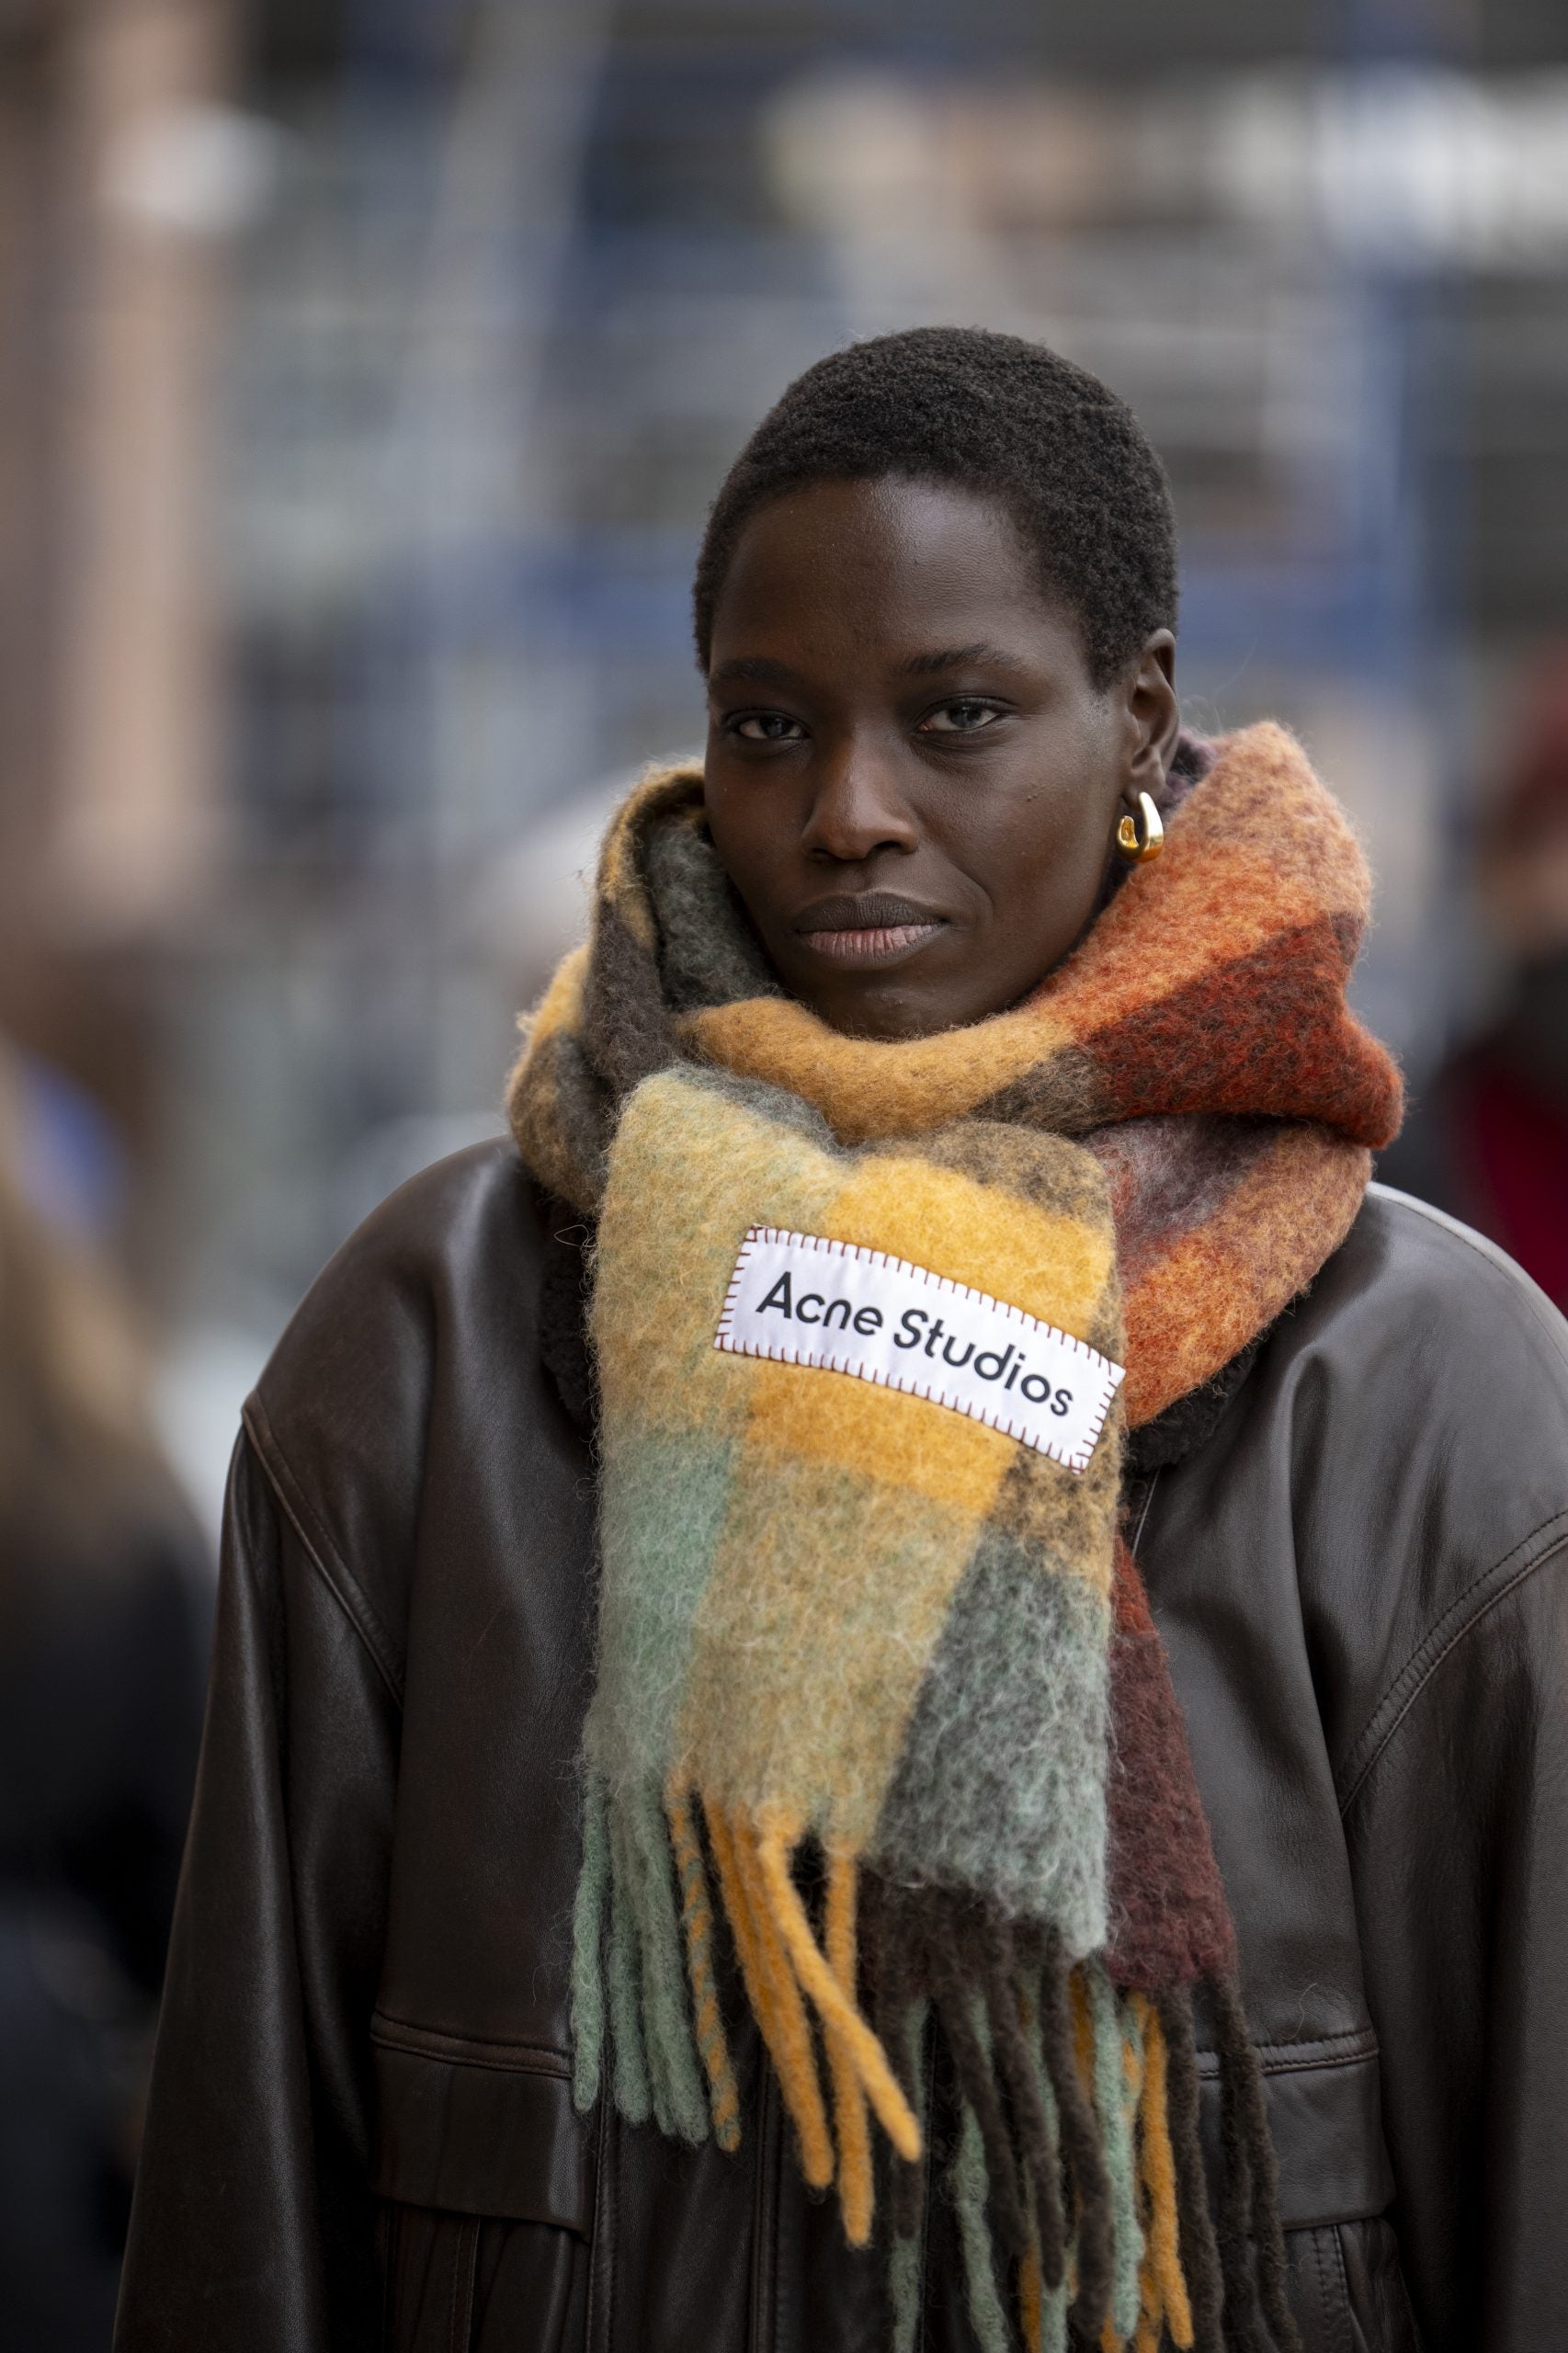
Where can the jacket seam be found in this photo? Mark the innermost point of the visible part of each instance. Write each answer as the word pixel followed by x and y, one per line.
pixel 510 2058
pixel 1347 2337
pixel 762 2324
pixel 928 2063
pixel 381 2018
pixel 319 1550
pixel 1352 2041
pixel 1366 2054
pixel 479 2066
pixel 465 2262
pixel 1366 2057
pixel 601 2246
pixel 1479 1599
pixel 1315 2239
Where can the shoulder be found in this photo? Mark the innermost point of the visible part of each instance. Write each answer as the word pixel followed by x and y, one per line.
pixel 1424 1364
pixel 463 1236
pixel 1438 1326
pixel 1418 1397
pixel 420 1333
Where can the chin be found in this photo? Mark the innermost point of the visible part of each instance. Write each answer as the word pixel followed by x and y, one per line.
pixel 890 1016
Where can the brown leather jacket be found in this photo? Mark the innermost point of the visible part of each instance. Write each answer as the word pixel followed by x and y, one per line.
pixel 361 2129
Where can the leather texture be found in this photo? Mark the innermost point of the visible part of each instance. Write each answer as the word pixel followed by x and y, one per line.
pixel 361 2132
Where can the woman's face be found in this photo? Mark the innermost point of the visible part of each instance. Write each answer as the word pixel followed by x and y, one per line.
pixel 911 780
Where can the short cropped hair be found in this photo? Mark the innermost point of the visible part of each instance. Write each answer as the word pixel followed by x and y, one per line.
pixel 1008 419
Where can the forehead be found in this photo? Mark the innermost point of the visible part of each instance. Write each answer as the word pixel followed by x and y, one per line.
pixel 889 561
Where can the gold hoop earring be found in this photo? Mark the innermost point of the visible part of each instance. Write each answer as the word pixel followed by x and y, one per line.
pixel 1136 848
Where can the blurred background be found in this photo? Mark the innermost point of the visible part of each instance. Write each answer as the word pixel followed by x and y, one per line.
pixel 365 368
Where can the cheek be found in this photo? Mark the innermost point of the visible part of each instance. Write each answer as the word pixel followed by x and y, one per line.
pixel 1043 905
pixel 725 812
pixel 1040 855
pixel 746 836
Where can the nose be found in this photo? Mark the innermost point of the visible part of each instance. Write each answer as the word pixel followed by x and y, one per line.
pixel 856 807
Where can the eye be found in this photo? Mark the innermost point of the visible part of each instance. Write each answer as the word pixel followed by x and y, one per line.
pixel 964 716
pixel 765 727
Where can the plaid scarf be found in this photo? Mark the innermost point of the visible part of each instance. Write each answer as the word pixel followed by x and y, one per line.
pixel 878 1684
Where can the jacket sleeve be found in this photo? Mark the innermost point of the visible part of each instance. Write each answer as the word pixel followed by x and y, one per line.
pixel 1458 1835
pixel 253 2225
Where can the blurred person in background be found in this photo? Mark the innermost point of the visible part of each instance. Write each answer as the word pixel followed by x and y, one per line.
pixel 1487 1138
pixel 104 1625
pixel 1096 1799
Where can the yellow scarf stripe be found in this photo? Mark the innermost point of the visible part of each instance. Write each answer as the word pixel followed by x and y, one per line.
pixel 779 1833
pixel 696 1921
pixel 1159 2182
pixel 856 2182
pixel 773 1992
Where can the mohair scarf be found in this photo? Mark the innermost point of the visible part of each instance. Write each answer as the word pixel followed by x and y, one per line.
pixel 877 1674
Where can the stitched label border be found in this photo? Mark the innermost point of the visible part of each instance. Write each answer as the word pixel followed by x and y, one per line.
pixel 802 1298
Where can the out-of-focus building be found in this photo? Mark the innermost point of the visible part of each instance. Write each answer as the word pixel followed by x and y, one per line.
pixel 112 201
pixel 364 375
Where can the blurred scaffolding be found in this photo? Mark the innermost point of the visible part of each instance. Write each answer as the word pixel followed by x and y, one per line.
pixel 367 370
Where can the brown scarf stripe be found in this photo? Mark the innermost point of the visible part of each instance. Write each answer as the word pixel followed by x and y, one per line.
pixel 1199 2244
pixel 1170 1924
pixel 1288 1061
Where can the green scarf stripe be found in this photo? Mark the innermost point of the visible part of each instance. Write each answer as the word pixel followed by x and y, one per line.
pixel 904 2280
pixel 987 2315
pixel 588 1929
pixel 665 1503
pixel 1116 2117
pixel 1021 1667
pixel 634 2094
pixel 905 2285
pixel 672 2049
pixel 1053 2302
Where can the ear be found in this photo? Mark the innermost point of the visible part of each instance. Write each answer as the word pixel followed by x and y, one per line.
pixel 1154 717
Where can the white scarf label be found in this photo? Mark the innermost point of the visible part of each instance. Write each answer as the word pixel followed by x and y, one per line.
pixel 800 1299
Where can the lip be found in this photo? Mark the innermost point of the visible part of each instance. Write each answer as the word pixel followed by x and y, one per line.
pixel 876 927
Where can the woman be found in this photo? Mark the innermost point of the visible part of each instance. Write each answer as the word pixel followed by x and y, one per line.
pixel 104 1620
pixel 954 1142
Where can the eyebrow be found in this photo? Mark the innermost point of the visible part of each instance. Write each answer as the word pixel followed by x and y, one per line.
pixel 958 657
pixel 757 670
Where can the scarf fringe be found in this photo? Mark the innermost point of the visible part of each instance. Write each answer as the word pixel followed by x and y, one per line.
pixel 1078 2176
